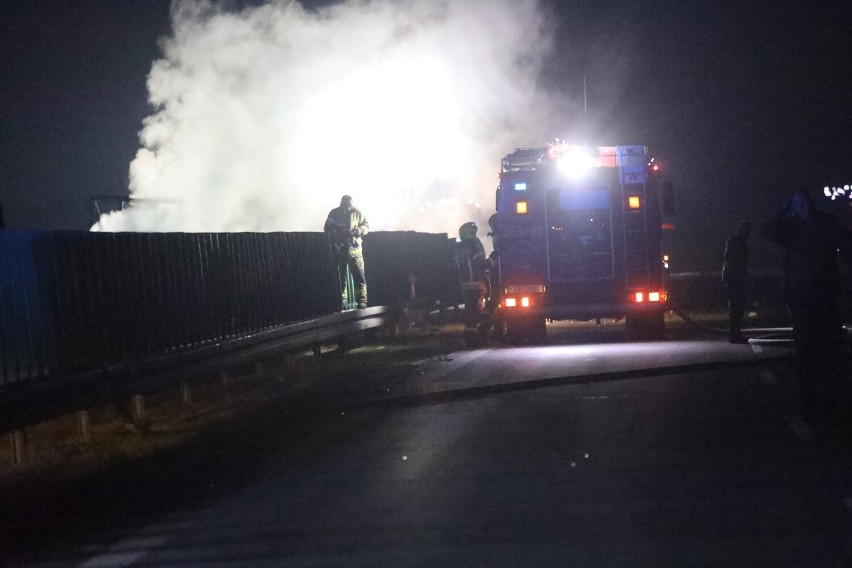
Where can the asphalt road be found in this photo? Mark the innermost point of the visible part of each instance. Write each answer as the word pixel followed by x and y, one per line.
pixel 676 453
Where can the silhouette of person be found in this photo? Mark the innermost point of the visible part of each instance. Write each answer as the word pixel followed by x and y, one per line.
pixel 346 226
pixel 734 272
pixel 472 267
pixel 811 240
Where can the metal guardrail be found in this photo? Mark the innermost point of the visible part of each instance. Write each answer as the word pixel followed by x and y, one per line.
pixel 74 301
pixel 31 402
pixel 84 316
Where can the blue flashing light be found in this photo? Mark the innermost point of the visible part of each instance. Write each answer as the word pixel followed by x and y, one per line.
pixel 521 186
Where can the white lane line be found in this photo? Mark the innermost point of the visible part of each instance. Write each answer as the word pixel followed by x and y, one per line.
pixel 459 362
pixel 150 532
pixel 768 377
pixel 800 428
pixel 125 553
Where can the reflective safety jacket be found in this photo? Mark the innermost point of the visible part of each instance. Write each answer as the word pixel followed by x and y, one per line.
pixel 471 263
pixel 346 227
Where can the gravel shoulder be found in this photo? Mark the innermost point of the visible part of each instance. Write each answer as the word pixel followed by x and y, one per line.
pixel 188 454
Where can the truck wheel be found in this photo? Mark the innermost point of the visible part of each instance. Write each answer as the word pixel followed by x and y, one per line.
pixel 499 332
pixel 514 333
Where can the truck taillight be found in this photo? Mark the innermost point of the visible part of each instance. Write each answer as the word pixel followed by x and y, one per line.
pixel 513 302
pixel 655 296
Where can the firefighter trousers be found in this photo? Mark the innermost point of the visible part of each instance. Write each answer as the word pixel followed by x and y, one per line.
pixel 353 259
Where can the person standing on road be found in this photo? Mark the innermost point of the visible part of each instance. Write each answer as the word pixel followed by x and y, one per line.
pixel 346 226
pixel 472 269
pixel 811 240
pixel 734 273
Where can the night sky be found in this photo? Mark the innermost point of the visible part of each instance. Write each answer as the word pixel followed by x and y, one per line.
pixel 742 101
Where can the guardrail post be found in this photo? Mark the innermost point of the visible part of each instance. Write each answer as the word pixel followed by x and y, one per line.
pixel 18 446
pixel 345 343
pixel 186 393
pixel 137 410
pixel 84 426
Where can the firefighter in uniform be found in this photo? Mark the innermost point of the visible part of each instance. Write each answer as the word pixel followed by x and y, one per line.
pixel 473 272
pixel 811 240
pixel 734 272
pixel 346 225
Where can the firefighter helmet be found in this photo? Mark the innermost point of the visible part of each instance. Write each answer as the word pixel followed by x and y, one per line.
pixel 468 230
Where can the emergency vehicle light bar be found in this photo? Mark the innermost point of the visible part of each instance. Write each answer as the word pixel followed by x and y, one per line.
pixel 573 160
pixel 564 156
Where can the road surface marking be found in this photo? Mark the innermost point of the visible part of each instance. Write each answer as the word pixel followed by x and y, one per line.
pixel 125 553
pixel 459 362
pixel 768 377
pixel 800 428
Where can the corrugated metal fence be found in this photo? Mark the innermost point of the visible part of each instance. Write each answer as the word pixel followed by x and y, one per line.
pixel 75 301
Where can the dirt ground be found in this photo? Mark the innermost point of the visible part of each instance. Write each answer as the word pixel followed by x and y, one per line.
pixel 189 452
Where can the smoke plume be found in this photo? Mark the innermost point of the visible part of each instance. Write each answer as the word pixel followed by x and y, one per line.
pixel 263 117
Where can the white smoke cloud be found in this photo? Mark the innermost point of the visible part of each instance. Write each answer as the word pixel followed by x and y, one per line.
pixel 265 116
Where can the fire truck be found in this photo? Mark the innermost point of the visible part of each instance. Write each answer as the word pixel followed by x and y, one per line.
pixel 578 236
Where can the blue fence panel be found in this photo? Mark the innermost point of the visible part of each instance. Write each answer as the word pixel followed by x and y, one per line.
pixel 24 345
pixel 74 301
